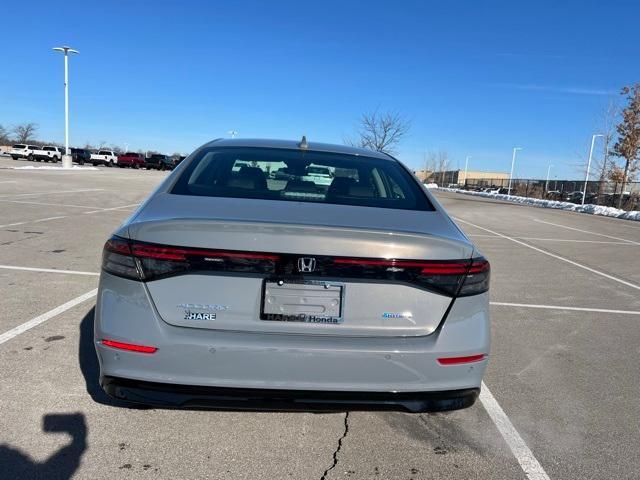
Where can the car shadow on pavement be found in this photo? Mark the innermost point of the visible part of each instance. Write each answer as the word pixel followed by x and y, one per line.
pixel 15 463
pixel 89 363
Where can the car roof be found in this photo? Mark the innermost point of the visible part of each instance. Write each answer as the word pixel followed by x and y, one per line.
pixel 295 145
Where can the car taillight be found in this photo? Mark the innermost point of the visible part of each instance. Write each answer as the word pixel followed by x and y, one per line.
pixel 145 261
pixel 449 277
pixel 118 260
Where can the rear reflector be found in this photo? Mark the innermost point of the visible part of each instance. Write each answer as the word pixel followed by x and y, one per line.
pixel 461 360
pixel 129 346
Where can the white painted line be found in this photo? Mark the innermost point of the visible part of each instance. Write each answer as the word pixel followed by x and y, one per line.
pixel 558 307
pixel 64 216
pixel 48 204
pixel 48 270
pixel 607 242
pixel 9 181
pixel 14 332
pixel 32 221
pixel 113 208
pixel 579 265
pixel 52 193
pixel 586 231
pixel 523 454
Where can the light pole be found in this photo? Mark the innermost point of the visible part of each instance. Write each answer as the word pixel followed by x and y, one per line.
pixel 513 162
pixel 546 184
pixel 233 133
pixel 466 165
pixel 66 159
pixel 586 179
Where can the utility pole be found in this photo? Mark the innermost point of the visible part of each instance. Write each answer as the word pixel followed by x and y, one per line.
pixel 513 162
pixel 586 179
pixel 66 159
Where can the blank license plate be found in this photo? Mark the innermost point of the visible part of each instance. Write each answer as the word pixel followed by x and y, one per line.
pixel 307 302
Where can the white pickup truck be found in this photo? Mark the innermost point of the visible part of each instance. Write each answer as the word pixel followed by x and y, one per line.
pixel 104 157
pixel 48 153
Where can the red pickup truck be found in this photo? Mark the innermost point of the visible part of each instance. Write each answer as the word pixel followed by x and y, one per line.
pixel 131 159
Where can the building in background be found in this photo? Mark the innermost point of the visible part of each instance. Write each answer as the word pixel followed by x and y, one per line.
pixel 457 177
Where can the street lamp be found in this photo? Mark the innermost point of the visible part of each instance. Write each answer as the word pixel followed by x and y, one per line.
pixel 233 133
pixel 66 159
pixel 466 165
pixel 546 184
pixel 586 179
pixel 513 162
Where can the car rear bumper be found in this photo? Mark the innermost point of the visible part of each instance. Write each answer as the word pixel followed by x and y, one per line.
pixel 355 366
pixel 185 396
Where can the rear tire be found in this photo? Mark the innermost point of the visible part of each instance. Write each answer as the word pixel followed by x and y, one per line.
pixel 30 158
pixel 110 164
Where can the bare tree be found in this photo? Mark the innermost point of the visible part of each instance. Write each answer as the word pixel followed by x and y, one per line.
pixel 25 132
pixel 4 136
pixel 607 127
pixel 442 158
pixel 628 144
pixel 381 131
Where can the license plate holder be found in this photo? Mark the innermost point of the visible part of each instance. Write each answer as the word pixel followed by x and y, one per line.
pixel 302 301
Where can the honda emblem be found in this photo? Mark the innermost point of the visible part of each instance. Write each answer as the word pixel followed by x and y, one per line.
pixel 306 264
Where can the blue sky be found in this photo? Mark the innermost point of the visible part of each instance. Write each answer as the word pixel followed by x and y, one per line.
pixel 474 77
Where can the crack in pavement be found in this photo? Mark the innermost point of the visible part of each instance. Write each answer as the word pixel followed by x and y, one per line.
pixel 335 454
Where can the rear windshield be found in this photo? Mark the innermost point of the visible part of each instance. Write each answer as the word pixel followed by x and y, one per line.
pixel 301 176
pixel 49 149
pixel 19 146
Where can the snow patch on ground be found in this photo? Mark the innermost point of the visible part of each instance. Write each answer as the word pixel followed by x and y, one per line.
pixel 33 167
pixel 536 202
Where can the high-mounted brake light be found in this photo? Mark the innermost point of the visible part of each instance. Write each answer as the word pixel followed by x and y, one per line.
pixel 129 346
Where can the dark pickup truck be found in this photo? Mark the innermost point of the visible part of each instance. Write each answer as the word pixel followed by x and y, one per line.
pixel 159 162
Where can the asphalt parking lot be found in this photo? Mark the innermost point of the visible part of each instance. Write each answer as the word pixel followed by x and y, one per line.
pixel 561 391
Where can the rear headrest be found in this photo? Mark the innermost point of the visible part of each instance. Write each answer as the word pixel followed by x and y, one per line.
pixel 243 181
pixel 359 190
pixel 340 186
pixel 254 174
pixel 302 186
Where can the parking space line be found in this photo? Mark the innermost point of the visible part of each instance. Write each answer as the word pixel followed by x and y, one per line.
pixel 49 270
pixel 608 242
pixel 558 307
pixel 586 231
pixel 113 208
pixel 558 257
pixel 52 193
pixel 518 447
pixel 49 204
pixel 9 181
pixel 66 216
pixel 33 221
pixel 14 332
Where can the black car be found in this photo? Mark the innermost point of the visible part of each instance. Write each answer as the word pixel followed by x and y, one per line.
pixel 159 162
pixel 80 155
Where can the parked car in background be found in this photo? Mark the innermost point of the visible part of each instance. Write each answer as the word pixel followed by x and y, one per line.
pixel 104 157
pixel 318 175
pixel 48 153
pixel 159 161
pixel 80 155
pixel 131 159
pixel 21 150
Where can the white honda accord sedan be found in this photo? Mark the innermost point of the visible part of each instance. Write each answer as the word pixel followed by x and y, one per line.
pixel 233 287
